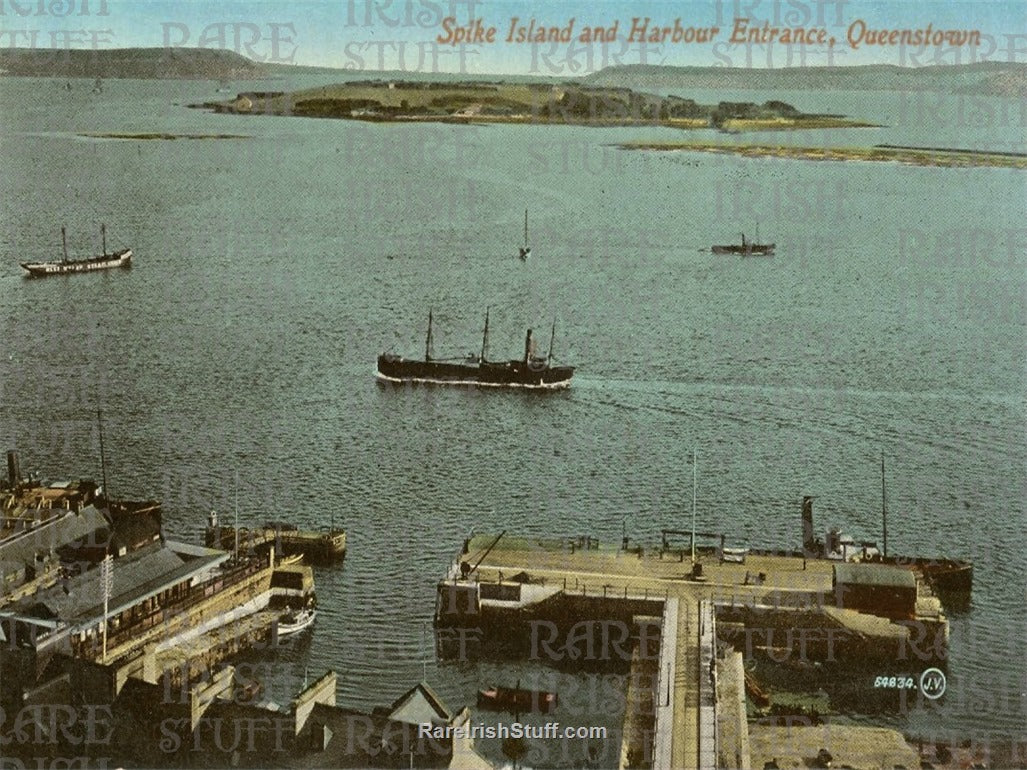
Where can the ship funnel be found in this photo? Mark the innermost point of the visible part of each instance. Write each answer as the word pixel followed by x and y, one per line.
pixel 528 347
pixel 809 543
pixel 13 468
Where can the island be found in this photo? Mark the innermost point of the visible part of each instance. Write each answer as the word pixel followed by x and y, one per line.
pixel 568 103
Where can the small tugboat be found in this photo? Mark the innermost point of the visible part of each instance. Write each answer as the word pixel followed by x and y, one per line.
pixel 525 250
pixel 531 371
pixel 292 622
pixel 747 248
pixel 517 700
pixel 121 258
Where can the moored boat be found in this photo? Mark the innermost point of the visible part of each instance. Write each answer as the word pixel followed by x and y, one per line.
pixel 525 250
pixel 292 622
pixel 746 248
pixel 517 700
pixel 530 371
pixel 120 258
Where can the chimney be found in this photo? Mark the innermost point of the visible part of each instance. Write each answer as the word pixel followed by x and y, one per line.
pixel 809 543
pixel 13 468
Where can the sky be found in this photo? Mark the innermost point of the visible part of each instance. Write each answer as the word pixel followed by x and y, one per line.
pixel 412 35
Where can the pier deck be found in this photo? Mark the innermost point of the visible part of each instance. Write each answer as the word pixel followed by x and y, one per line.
pixel 652 574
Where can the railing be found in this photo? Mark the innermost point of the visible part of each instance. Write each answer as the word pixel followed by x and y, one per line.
pixel 664 718
pixel 626 590
pixel 708 731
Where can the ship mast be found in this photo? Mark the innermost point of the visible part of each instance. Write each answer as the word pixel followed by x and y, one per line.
pixel 884 509
pixel 552 339
pixel 103 461
pixel 103 237
pixel 64 243
pixel 427 341
pixel 695 464
pixel 525 228
pixel 485 337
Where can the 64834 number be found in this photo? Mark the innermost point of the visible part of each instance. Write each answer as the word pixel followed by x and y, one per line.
pixel 895 682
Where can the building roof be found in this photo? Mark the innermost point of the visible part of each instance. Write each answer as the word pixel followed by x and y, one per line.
pixel 79 600
pixel 419 705
pixel 855 573
pixel 65 528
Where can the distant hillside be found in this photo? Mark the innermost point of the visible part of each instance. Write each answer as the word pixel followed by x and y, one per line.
pixel 167 63
pixel 990 78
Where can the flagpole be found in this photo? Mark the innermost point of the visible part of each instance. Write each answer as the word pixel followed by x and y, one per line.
pixel 107 578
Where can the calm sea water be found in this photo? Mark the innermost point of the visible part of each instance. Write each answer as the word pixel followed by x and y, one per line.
pixel 236 359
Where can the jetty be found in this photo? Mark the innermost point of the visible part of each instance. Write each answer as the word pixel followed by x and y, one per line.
pixel 681 621
pixel 322 547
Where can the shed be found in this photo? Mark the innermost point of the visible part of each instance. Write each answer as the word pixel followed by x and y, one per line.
pixel 876 589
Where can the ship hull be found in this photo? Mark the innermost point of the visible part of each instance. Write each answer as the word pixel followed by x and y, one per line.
pixel 44 269
pixel 517 700
pixel 749 250
pixel 504 374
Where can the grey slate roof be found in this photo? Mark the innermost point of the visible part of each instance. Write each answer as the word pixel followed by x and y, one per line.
pixel 143 573
pixel 67 528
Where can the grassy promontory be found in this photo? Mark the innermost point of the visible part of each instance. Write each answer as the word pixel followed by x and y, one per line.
pixel 916 156
pixel 504 102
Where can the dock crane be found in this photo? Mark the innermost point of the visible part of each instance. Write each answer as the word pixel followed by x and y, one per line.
pixel 465 567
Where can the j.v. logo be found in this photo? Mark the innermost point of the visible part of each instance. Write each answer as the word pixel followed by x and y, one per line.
pixel 932 683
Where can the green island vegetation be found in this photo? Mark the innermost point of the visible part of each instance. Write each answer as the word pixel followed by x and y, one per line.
pixel 169 137
pixel 917 156
pixel 503 102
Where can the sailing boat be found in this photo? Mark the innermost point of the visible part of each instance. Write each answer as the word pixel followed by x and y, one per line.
pixel 121 258
pixel 525 249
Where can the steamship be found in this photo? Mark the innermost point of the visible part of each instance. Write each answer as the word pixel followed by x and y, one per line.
pixel 746 248
pixel 951 579
pixel 529 371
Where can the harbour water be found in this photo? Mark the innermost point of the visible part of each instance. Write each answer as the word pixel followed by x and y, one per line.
pixel 235 360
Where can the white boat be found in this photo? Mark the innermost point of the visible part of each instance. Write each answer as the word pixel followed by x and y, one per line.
pixel 294 622
pixel 121 258
pixel 525 250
